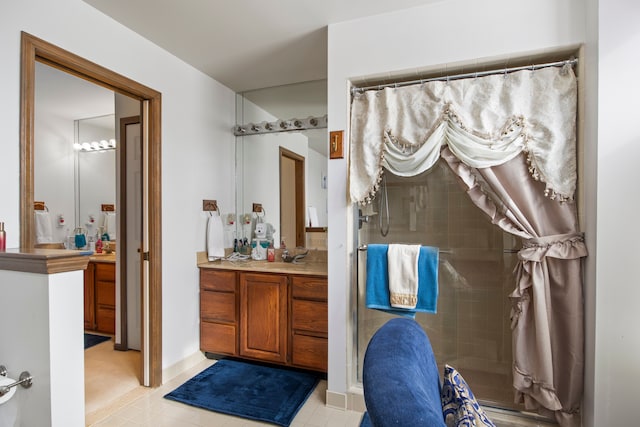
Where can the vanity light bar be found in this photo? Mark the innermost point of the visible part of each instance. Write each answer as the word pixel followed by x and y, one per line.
pixel 102 145
pixel 291 125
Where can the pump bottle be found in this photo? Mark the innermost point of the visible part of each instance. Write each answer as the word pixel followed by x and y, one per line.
pixel 3 238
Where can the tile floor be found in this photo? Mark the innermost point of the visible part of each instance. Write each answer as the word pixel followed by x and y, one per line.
pixel 141 406
pixel 114 398
pixel 109 375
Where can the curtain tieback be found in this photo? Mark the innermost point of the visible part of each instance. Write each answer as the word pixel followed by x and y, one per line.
pixel 534 250
pixel 563 246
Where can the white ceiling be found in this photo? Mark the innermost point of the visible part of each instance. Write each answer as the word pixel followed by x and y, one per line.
pixel 246 44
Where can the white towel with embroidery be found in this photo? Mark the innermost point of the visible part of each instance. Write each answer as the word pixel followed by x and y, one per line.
pixel 110 224
pixel 44 229
pixel 215 237
pixel 402 265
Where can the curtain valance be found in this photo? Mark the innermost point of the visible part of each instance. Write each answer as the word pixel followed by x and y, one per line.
pixel 485 121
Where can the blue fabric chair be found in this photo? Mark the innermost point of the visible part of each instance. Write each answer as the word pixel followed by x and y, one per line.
pixel 400 377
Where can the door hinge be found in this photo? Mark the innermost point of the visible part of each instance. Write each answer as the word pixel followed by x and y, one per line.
pixel 145 256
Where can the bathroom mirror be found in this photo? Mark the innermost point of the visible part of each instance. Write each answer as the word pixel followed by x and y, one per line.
pixel 95 169
pixel 265 161
pixel 71 110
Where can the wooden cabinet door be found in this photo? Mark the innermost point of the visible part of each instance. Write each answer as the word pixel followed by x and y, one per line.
pixel 89 298
pixel 105 297
pixel 263 310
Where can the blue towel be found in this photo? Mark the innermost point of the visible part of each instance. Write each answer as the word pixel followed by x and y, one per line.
pixel 378 281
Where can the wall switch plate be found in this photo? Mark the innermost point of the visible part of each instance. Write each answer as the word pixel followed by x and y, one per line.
pixel 209 205
pixel 335 144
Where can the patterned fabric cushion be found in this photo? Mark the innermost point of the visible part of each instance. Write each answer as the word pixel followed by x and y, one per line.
pixel 459 405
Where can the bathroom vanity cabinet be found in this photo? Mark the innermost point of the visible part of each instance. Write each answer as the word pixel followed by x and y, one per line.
pixel 100 297
pixel 272 317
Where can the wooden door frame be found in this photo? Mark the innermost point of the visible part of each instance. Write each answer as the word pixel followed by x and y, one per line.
pixel 300 193
pixel 35 50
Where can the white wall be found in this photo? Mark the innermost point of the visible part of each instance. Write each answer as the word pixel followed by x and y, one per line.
pixel 41 332
pixel 617 340
pixel 197 145
pixel 436 36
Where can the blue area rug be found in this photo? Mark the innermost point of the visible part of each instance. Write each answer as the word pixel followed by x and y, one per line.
pixel 90 340
pixel 365 421
pixel 248 390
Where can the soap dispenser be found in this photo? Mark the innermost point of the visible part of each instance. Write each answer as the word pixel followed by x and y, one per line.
pixel 3 238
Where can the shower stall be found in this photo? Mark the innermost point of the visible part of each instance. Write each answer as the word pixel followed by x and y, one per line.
pixel 471 330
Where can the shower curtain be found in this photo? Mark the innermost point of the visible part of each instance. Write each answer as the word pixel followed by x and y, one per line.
pixel 511 141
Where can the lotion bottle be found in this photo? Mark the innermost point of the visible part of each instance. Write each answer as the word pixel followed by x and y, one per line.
pixel 3 238
pixel 271 253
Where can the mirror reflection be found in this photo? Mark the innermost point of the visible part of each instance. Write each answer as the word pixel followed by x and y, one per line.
pixel 284 172
pixel 95 172
pixel 71 183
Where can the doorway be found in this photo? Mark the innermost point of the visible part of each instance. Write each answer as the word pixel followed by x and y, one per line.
pixel 37 50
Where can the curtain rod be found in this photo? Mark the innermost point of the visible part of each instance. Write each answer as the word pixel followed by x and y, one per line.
pixel 505 71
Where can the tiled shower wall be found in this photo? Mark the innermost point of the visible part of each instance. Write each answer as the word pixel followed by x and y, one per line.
pixel 471 330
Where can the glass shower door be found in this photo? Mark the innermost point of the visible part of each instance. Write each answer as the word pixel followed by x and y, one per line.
pixel 471 330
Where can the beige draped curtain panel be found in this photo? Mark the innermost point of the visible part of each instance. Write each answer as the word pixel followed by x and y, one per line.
pixel 511 139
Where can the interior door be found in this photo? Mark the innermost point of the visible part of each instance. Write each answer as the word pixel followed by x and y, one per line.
pixel 292 201
pixel 143 260
pixel 133 147
pixel 287 200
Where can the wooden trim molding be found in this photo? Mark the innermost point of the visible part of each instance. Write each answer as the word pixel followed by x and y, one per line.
pixel 43 261
pixel 35 49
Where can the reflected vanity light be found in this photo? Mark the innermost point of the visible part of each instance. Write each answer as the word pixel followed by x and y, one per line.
pixel 281 126
pixel 102 145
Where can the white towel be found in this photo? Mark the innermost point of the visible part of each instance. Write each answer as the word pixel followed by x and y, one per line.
pixel 313 216
pixel 215 237
pixel 402 264
pixel 44 229
pixel 110 224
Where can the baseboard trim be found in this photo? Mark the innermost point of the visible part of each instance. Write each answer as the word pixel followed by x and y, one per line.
pixel 181 366
pixel 336 400
pixel 351 401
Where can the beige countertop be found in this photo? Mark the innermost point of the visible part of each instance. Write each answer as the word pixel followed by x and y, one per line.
pixel 108 258
pixel 314 266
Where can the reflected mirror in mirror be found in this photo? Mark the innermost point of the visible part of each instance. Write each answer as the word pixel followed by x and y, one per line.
pixel 285 172
pixel 96 170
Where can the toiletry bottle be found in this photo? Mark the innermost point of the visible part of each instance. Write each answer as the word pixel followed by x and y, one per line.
pixel 3 238
pixel 271 253
pixel 98 245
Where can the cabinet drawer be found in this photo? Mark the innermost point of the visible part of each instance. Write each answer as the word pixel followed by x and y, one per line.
pixel 106 319
pixel 309 352
pixel 309 316
pixel 105 293
pixel 105 271
pixel 309 287
pixel 218 338
pixel 215 280
pixel 219 306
